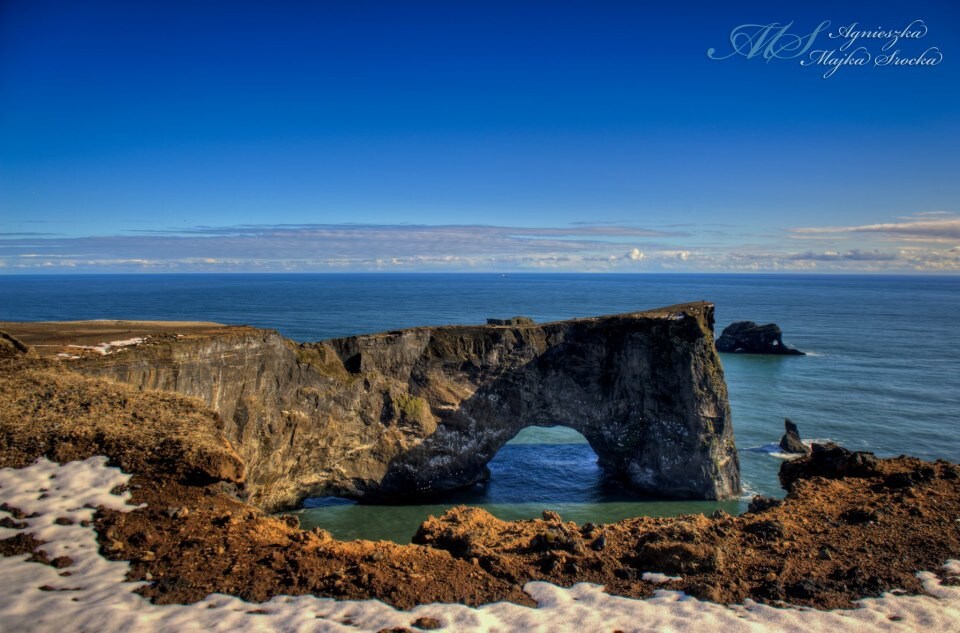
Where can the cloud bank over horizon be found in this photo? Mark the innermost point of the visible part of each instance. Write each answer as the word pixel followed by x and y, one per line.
pixel 922 242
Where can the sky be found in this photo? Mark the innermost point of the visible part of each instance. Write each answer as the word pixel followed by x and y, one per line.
pixel 479 136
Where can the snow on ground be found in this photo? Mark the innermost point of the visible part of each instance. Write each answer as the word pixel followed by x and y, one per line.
pixel 108 348
pixel 95 597
pixel 657 577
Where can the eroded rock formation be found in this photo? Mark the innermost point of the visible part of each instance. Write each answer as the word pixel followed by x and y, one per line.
pixel 747 337
pixel 423 410
pixel 791 442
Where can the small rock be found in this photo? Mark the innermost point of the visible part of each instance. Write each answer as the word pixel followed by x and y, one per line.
pixel 627 573
pixel 427 623
pixel 805 589
pixel 760 504
pixel 859 516
pixel 705 591
pixel 178 513
pixel 767 530
pixel 600 543
pixel 61 561
pixel 898 481
pixel 148 556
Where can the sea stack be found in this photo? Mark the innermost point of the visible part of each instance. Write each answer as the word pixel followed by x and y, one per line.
pixel 747 337
pixel 790 442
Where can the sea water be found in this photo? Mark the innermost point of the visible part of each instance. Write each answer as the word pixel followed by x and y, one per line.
pixel 882 373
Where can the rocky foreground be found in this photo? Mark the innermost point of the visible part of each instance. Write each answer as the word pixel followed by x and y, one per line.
pixel 851 525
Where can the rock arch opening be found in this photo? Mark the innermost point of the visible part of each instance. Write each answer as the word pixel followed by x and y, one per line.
pixel 547 466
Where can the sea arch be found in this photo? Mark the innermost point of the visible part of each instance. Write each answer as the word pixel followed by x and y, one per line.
pixel 646 393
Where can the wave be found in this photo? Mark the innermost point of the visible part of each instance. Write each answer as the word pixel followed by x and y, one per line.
pixel 774 450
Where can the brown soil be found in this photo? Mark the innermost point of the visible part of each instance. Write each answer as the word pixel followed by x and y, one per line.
pixel 851 526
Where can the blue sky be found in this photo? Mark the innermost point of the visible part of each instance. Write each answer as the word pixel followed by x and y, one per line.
pixel 325 136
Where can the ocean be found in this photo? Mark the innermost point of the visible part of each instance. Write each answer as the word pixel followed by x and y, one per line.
pixel 882 372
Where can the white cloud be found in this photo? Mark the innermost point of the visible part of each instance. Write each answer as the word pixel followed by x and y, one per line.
pixel 921 243
pixel 934 227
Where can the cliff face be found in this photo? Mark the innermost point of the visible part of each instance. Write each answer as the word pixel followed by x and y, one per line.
pixel 411 412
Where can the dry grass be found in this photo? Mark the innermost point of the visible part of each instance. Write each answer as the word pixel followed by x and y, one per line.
pixel 47 410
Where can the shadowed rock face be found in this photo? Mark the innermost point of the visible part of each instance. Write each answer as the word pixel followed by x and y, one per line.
pixel 791 442
pixel 746 337
pixel 413 412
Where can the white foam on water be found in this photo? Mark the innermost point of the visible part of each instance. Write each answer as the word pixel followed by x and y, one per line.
pixel 774 450
pixel 96 598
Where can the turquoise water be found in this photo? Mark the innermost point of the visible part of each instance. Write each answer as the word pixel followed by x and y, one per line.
pixel 883 375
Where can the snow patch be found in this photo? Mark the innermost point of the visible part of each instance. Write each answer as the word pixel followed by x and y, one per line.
pixel 108 348
pixel 657 578
pixel 96 598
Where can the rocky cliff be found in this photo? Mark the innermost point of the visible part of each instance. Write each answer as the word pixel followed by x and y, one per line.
pixel 411 412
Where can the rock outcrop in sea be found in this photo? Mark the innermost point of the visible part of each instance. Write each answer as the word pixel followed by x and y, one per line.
pixel 791 442
pixel 747 337
pixel 412 412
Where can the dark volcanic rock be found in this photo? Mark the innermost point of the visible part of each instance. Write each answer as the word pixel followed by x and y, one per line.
pixel 761 504
pixel 790 442
pixel 830 461
pixel 746 337
pixel 413 412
